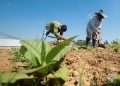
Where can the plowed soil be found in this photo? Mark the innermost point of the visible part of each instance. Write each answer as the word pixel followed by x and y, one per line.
pixel 5 56
pixel 90 66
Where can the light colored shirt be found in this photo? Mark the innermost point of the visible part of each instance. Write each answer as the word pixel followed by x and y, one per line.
pixel 57 26
pixel 54 27
pixel 93 25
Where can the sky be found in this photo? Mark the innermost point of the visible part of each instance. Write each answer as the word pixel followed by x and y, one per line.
pixel 26 19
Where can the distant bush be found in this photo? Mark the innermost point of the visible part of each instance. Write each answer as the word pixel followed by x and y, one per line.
pixel 80 44
pixel 115 45
pixel 114 82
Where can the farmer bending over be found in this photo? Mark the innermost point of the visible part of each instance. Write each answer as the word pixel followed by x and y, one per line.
pixel 57 29
pixel 93 27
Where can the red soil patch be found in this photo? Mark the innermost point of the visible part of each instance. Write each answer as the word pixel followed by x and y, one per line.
pixel 98 65
pixel 5 63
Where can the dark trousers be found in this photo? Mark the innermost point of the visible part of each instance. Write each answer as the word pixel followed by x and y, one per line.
pixel 93 42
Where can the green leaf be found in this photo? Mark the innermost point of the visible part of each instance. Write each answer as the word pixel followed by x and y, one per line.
pixel 44 51
pixel 42 57
pixel 62 73
pixel 12 77
pixel 57 52
pixel 118 77
pixel 32 59
pixel 39 69
pixel 33 50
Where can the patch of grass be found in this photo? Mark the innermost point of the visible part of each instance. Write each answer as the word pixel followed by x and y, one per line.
pixel 114 82
pixel 115 45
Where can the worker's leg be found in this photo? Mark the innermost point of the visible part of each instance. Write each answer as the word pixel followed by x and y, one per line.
pixel 94 43
pixel 87 41
pixel 88 38
pixel 94 39
pixel 98 43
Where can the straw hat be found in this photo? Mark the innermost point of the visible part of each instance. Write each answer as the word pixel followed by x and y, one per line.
pixel 101 13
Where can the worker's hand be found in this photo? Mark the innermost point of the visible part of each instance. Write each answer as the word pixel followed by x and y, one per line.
pixel 61 38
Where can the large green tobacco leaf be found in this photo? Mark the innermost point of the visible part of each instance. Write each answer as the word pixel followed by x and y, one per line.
pixel 32 49
pixel 43 58
pixel 34 61
pixel 41 69
pixel 118 77
pixel 36 51
pixel 45 48
pixel 62 73
pixel 50 57
pixel 57 52
pixel 12 77
pixel 43 52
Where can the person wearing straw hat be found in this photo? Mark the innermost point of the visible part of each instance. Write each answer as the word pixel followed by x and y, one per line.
pixel 94 26
pixel 57 29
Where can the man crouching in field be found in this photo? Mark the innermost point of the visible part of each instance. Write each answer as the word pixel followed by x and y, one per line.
pixel 57 29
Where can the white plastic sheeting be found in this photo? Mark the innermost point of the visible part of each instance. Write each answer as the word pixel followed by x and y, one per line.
pixel 9 43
